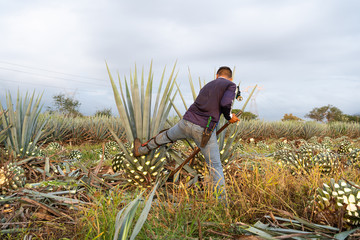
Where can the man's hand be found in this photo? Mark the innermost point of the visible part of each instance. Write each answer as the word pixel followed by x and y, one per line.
pixel 234 119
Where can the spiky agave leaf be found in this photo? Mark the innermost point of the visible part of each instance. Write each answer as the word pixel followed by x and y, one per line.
pixel 35 152
pixel 3 134
pixel 79 131
pixel 125 216
pixel 312 130
pixel 229 152
pixel 138 117
pixel 98 127
pixel 3 131
pixel 66 167
pixel 59 127
pixel 25 127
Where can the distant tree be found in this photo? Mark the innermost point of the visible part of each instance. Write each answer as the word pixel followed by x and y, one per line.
pixel 106 112
pixel 318 114
pixel 290 117
pixel 245 115
pixel 66 105
pixel 235 110
pixel 328 113
pixel 335 114
pixel 352 118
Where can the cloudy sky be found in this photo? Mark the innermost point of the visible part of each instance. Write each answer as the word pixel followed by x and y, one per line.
pixel 303 54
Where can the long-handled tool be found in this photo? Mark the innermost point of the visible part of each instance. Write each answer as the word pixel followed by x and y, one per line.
pixel 197 150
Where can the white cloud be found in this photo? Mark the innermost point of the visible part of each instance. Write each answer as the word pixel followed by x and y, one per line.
pixel 304 53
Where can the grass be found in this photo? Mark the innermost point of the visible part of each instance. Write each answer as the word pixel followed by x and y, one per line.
pixel 98 221
pixel 195 213
pixel 179 212
pixel 256 186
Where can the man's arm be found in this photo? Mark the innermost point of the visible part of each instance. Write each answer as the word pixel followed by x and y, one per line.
pixel 227 100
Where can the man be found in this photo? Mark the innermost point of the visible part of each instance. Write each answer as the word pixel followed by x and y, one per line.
pixel 214 99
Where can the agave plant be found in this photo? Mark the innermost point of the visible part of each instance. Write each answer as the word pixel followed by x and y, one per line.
pixel 339 200
pixel 11 177
pixel 58 128
pixel 308 156
pixel 125 217
pixel 354 156
pixel 98 127
pixel 311 129
pixel 25 127
pixel 140 120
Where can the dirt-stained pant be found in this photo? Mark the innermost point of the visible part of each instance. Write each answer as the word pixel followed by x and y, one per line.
pixel 185 129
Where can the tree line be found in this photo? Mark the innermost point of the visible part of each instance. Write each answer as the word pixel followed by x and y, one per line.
pixel 327 113
pixel 70 107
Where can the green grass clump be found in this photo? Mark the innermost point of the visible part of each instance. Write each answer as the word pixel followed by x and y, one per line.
pixel 260 187
pixel 180 213
pixel 97 220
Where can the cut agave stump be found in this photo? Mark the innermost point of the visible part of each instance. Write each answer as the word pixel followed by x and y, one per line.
pixel 12 177
pixel 339 197
pixel 141 170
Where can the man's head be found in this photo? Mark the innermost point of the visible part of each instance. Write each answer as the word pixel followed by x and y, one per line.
pixel 224 72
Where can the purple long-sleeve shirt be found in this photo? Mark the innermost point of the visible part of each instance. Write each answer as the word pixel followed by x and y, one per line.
pixel 214 99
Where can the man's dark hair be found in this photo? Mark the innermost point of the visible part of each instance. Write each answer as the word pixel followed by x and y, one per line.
pixel 224 71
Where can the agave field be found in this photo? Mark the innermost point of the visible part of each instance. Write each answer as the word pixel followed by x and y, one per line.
pixel 76 178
